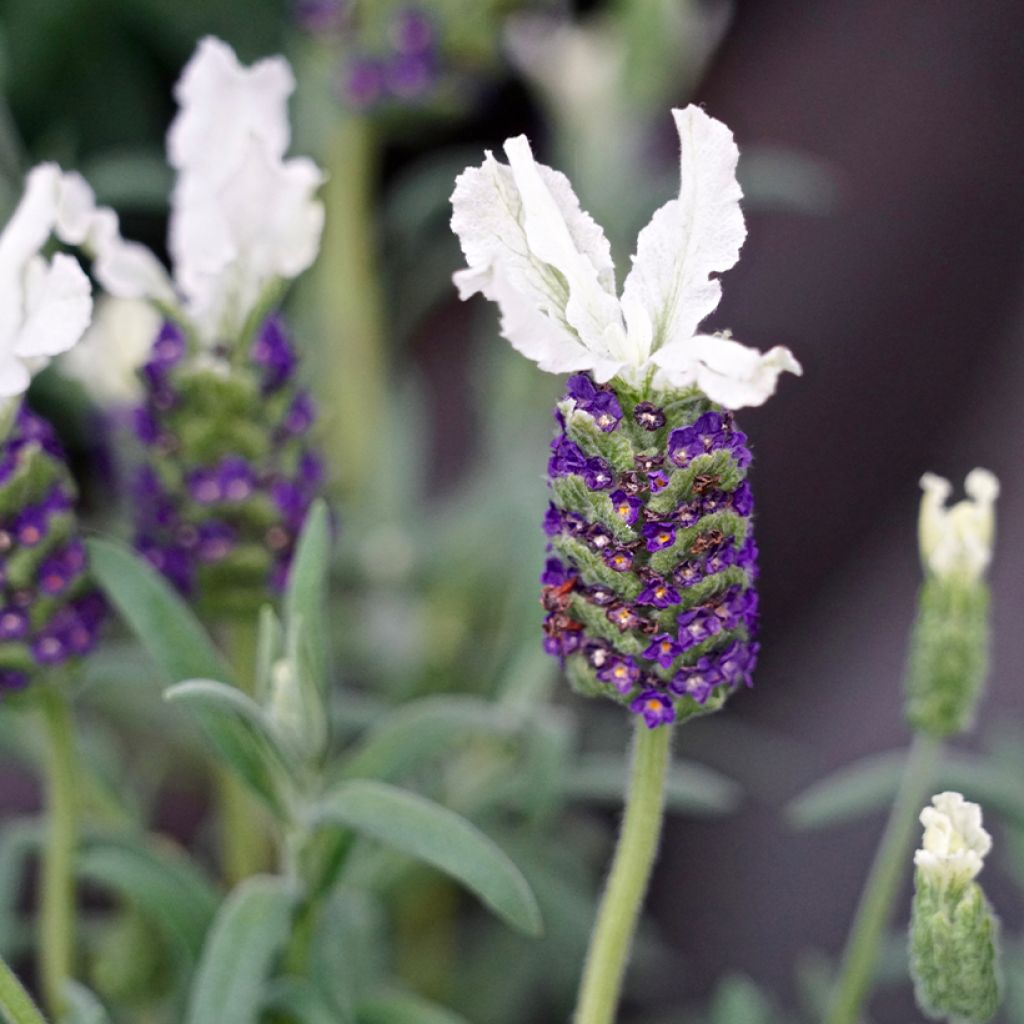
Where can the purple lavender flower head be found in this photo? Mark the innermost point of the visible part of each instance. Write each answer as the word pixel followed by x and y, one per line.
pixel 229 472
pixel 50 613
pixel 649 589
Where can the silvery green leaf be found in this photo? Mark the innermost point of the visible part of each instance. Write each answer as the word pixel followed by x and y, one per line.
pixel 242 735
pixel 19 840
pixel 269 650
pixel 162 621
pixel 306 600
pixel 159 880
pixel 404 1008
pixel 414 733
pixel 690 788
pixel 426 831
pixel 300 1001
pixel 82 1005
pixel 247 935
pixel 859 788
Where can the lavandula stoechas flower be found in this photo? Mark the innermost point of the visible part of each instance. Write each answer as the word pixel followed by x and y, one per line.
pixel 949 646
pixel 49 612
pixel 228 471
pixel 954 935
pixel 649 589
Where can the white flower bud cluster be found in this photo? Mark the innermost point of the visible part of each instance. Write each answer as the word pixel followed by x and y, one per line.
pixel 954 844
pixel 957 542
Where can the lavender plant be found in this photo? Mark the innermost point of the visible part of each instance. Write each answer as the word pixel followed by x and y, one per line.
pixel 49 612
pixel 649 600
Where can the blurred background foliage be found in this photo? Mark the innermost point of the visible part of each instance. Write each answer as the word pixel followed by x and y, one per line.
pixel 885 249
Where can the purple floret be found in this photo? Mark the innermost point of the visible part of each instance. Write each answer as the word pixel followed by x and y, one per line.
pixel 655 707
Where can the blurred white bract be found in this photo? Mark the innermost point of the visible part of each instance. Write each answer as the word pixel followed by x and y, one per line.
pixel 957 542
pixel 45 305
pixel 954 844
pixel 244 220
pixel 532 249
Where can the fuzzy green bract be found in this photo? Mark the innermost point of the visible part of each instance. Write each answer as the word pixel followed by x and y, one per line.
pixel 954 951
pixel 948 655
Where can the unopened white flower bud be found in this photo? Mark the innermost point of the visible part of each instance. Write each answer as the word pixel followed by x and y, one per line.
pixel 954 844
pixel 958 541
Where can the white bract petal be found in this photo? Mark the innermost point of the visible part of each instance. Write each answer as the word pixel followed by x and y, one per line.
pixel 530 248
pixel 957 542
pixel 691 237
pixel 233 239
pixel 224 106
pixel 489 218
pixel 107 360
pixel 954 844
pixel 728 373
pixel 581 257
pixel 45 305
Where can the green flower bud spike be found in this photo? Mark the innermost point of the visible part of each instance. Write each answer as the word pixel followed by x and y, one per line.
pixel 949 647
pixel 954 947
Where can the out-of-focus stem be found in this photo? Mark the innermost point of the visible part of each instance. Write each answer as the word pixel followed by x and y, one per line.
pixel 617 918
pixel 350 300
pixel 57 899
pixel 891 860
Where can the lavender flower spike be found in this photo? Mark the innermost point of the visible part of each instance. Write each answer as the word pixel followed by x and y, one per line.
pixel 651 512
pixel 228 471
pixel 49 612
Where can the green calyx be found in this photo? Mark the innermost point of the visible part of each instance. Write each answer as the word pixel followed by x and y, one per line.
pixel 948 660
pixel 954 951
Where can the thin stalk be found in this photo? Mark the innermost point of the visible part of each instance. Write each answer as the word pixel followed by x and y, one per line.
pixel 57 898
pixel 624 894
pixel 16 1006
pixel 890 864
pixel 353 361
pixel 244 840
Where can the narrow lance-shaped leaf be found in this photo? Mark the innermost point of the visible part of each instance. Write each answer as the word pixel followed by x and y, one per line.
pixel 82 1006
pixel 164 624
pixel 690 788
pixel 306 598
pixel 406 738
pixel 238 729
pixel 269 648
pixel 405 1008
pixel 161 882
pixel 249 932
pixel 437 836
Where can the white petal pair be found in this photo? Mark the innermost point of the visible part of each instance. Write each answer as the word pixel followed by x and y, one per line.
pixel 45 305
pixel 532 249
pixel 242 216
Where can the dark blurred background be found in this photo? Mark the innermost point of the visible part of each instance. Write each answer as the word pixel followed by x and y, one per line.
pixel 895 277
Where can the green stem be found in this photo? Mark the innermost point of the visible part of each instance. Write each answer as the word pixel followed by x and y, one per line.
pixel 244 840
pixel 16 1006
pixel 57 911
pixel 350 295
pixel 623 898
pixel 891 861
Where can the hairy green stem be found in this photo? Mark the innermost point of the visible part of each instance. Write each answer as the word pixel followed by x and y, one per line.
pixel 16 1006
pixel 624 894
pixel 57 899
pixel 890 864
